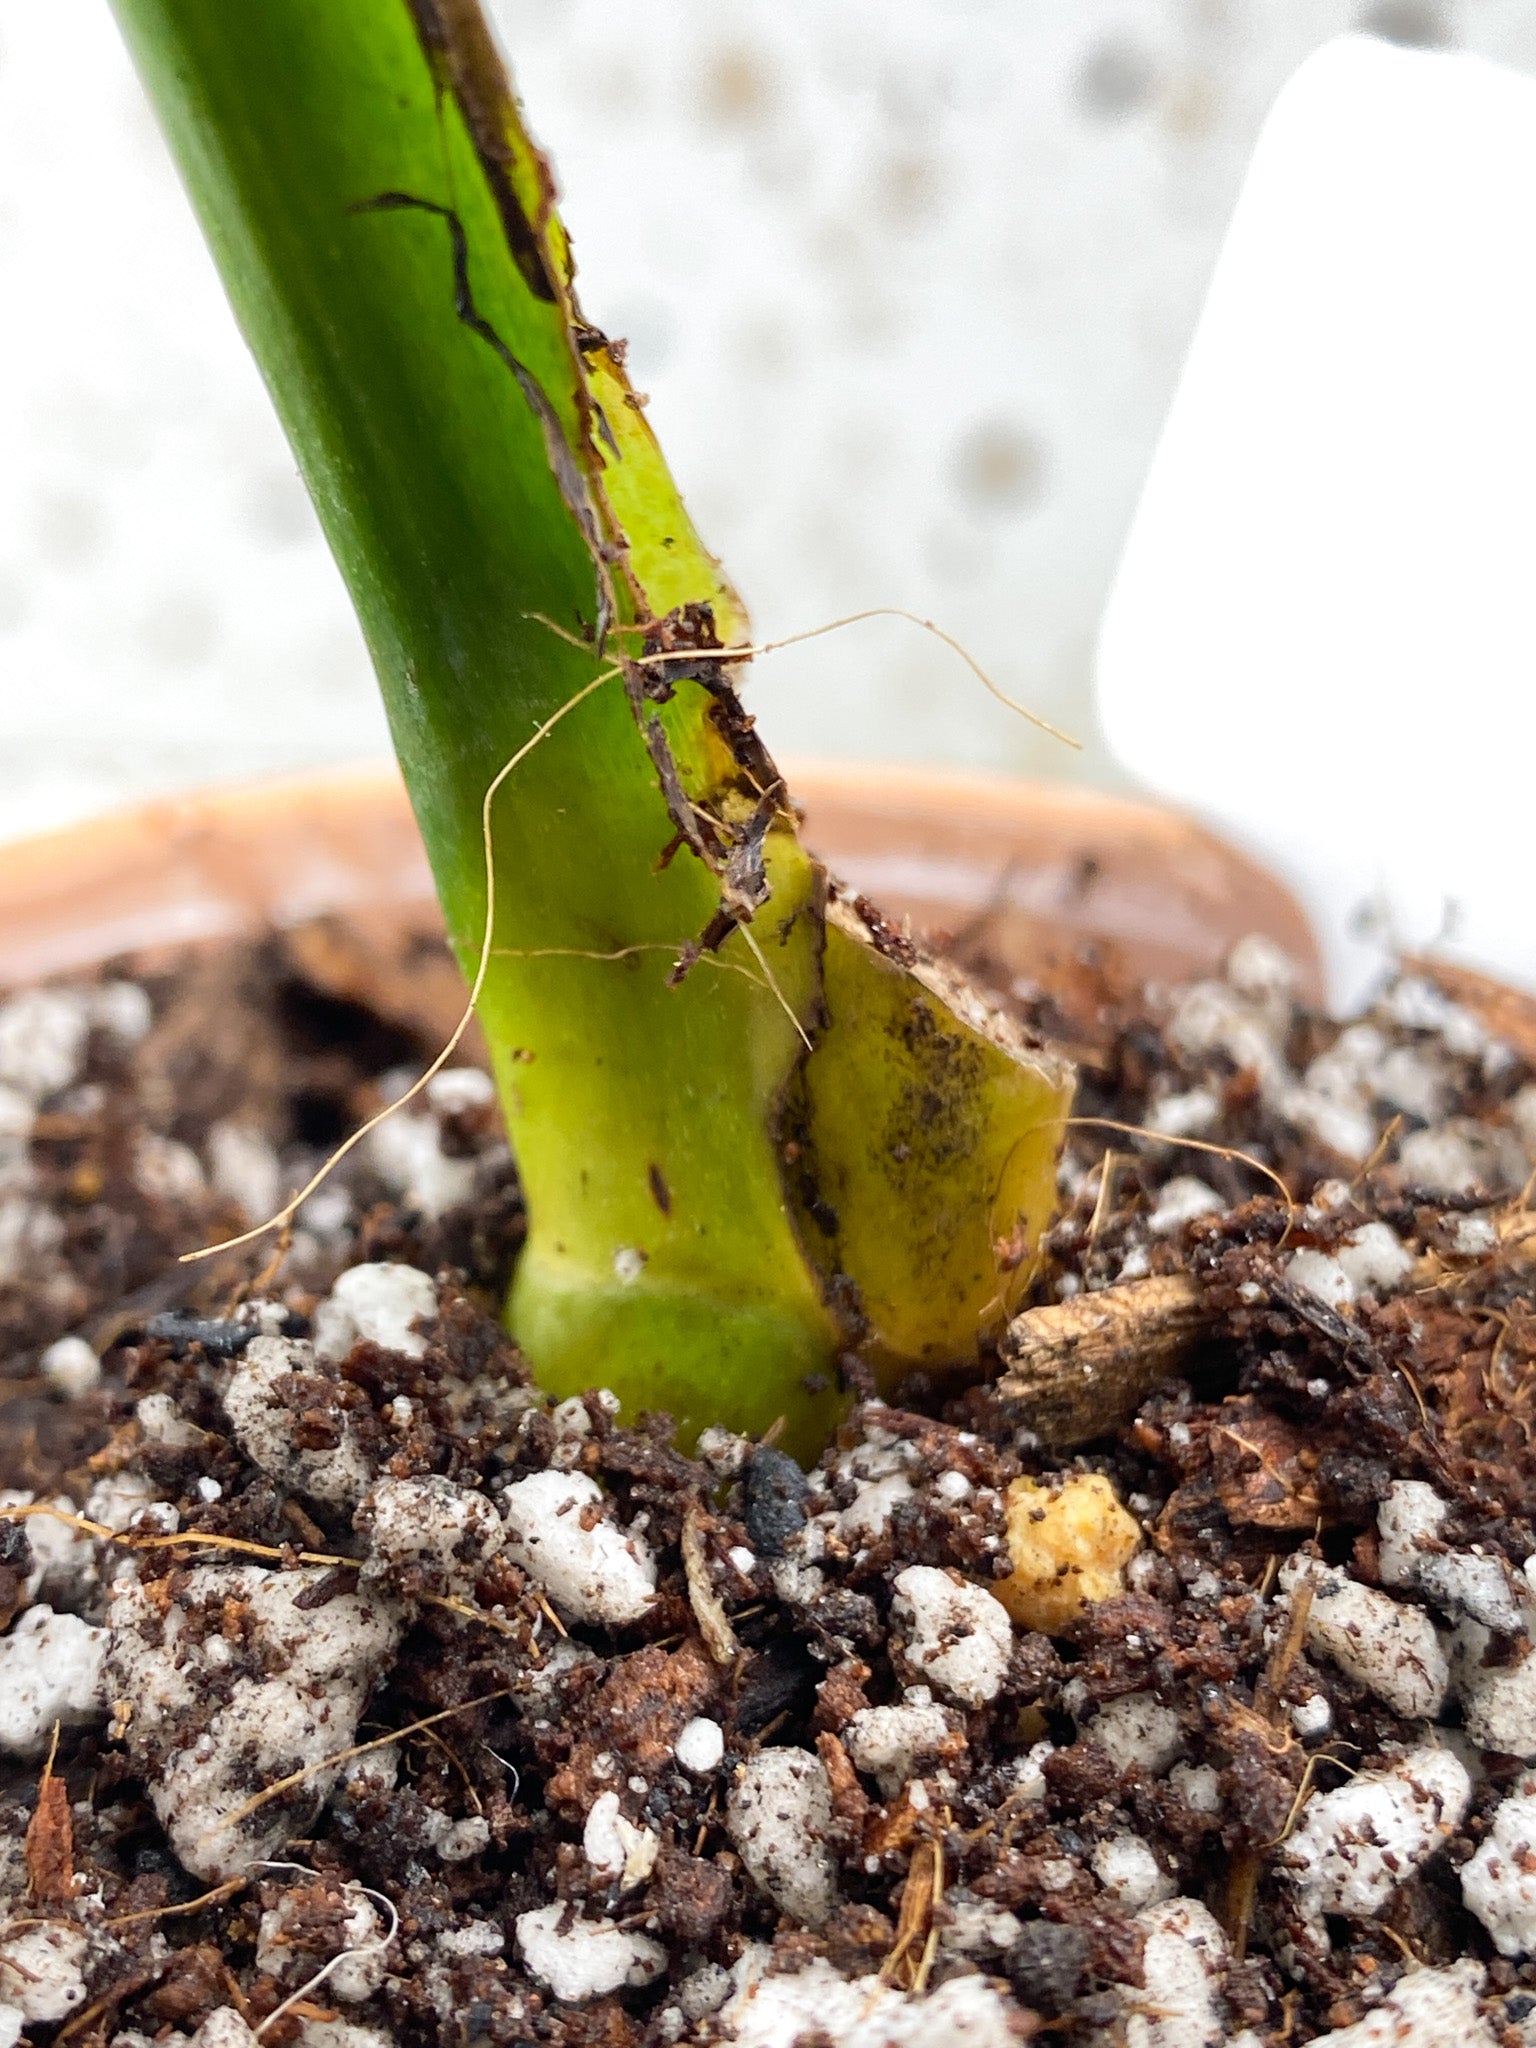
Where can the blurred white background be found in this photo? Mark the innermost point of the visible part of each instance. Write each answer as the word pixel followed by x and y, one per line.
pixel 1322 631
pixel 910 287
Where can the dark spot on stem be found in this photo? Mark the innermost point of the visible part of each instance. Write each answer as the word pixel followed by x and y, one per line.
pixel 661 1194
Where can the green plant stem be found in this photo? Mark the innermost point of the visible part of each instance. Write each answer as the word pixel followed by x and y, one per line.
pixel 501 514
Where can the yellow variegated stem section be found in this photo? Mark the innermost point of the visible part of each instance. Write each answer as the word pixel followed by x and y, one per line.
pixel 925 1168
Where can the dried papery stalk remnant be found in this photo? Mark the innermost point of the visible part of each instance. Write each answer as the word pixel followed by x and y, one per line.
pixel 50 1840
pixel 708 1608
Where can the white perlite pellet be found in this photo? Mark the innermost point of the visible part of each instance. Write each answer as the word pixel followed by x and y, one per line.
pixel 1180 1201
pixel 558 1532
pixel 1374 1259
pixel 1460 1156
pixel 42 1039
pixel 700 1746
pixel 50 1670
pixel 1322 1276
pixel 1198 1785
pixel 244 1168
pixel 580 1959
pixel 406 1153
pixel 978 1927
pixel 42 1971
pixel 29 1236
pixel 1424 2009
pixel 1262 970
pixel 63 1561
pixel 162 1422
pixel 1029 1786
pixel 225 2028
pixel 724 1452
pixel 263 1425
pixel 1414 1003
pixel 122 1009
pixel 166 1170
pixel 119 1500
pixel 768 2011
pixel 1329 1104
pixel 335 2034
pixel 1472 1237
pixel 1185 1115
pixel 1130 1873
pixel 1356 1845
pixel 958 1638
pixel 778 1815
pixel 1498 1699
pixel 1460 1582
pixel 305 1675
pixel 704 1992
pixel 869 1512
pixel 1138 1731
pixel 889 1743
pixel 1178 2005
pixel 443 1534
pixel 1211 1017
pixel 1383 1644
pixel 1413 1079
pixel 375 1304
pixel 17 1116
pixel 459 1090
pixel 455 1841
pixel 1312 1717
pixel 70 1367
pixel 1499 1883
pixel 479 1938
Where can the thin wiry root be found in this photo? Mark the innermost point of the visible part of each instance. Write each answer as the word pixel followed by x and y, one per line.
pixel 877 611
pixel 551 1617
pixel 220 1892
pixel 283 1217
pixel 1108 1169
pixel 779 996
pixel 292 1207
pixel 676 949
pixel 280 1786
pixel 198 1539
pixel 377 1947
pixel 1109 1123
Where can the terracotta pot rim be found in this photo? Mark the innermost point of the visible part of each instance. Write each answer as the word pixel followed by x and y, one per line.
pixel 1053 865
pixel 887 781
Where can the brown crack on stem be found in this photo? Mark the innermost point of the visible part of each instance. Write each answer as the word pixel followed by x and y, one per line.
pixel 465 60
pixel 467 67
pixel 573 484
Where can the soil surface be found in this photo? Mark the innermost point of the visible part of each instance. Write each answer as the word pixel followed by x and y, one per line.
pixel 370 1699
